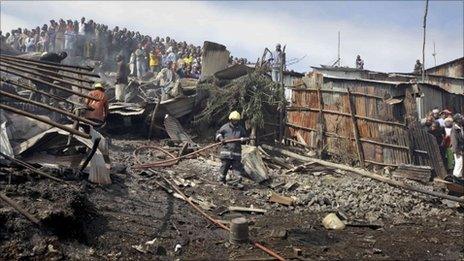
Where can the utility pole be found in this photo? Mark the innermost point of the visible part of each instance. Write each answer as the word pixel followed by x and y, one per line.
pixel 423 41
pixel 434 54
pixel 338 58
pixel 282 95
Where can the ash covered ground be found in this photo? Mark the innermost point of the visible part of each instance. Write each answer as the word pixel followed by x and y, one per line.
pixel 134 218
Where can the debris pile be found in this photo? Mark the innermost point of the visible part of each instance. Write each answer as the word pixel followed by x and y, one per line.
pixel 255 95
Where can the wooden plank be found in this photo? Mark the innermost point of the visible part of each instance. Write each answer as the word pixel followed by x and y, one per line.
pixel 245 209
pixel 275 198
pixel 294 108
pixel 419 173
pixel 320 117
pixel 355 130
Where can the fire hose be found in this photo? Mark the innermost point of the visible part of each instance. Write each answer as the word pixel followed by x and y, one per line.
pixel 173 160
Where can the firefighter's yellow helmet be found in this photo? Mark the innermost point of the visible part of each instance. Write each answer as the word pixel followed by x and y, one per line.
pixel 234 116
pixel 98 86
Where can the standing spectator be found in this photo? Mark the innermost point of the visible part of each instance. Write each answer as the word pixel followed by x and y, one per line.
pixel 418 67
pixel 132 64
pixel 277 61
pixel 154 61
pixel 22 39
pixel 121 78
pixel 170 56
pixel 30 42
pixel 359 63
pixel 140 61
pixel 81 37
pixel 168 79
pixel 52 35
pixel 457 144
pixel 4 37
pixel 439 133
pixel 70 38
pixel 447 144
pixel 59 40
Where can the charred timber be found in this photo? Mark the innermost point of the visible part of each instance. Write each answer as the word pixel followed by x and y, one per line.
pixel 46 106
pixel 30 167
pixel 45 71
pixel 49 84
pixel 359 117
pixel 58 66
pixel 44 120
pixel 38 91
pixel 51 78
pixel 87 68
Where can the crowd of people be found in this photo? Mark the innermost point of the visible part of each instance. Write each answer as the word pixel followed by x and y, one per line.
pixel 447 128
pixel 95 41
pixel 91 40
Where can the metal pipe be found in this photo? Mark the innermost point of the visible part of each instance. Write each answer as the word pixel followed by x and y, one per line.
pixel 51 78
pixel 50 84
pixel 39 91
pixel 214 221
pixel 46 106
pixel 49 63
pixel 37 68
pixel 44 120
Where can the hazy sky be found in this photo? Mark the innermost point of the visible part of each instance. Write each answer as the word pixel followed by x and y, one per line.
pixel 388 35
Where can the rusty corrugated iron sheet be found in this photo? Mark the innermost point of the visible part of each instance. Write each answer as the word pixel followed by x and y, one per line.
pixel 382 143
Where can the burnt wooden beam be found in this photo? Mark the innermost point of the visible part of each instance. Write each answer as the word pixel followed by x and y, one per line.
pixel 42 75
pixel 354 123
pixel 50 64
pixel 46 106
pixel 49 84
pixel 20 85
pixel 44 120
pixel 45 71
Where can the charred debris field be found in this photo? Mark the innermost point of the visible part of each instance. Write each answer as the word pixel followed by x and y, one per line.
pixel 139 217
pixel 115 154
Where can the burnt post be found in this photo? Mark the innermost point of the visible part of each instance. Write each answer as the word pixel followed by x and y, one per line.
pixel 318 80
pixel 354 122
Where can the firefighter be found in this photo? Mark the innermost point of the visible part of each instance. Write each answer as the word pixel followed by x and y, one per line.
pixel 231 152
pixel 98 109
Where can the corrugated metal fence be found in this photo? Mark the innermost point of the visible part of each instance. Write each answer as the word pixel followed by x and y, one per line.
pixel 348 123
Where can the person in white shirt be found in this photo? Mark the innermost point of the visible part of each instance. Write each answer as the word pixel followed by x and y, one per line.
pixel 277 60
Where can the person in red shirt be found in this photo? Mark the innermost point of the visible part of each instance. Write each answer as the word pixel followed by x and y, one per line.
pixel 98 109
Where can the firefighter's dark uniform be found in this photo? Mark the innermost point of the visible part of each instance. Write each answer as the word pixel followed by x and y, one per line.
pixel 231 153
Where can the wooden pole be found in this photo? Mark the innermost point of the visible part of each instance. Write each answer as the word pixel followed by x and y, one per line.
pixel 45 71
pixel 92 152
pixel 361 172
pixel 21 210
pixel 38 91
pixel 152 118
pixel 44 120
pixel 282 96
pixel 51 64
pixel 70 115
pixel 355 129
pixel 49 84
pixel 319 79
pixel 43 75
pixel 423 41
pixel 30 167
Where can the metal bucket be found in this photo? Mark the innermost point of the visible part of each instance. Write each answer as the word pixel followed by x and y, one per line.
pixel 238 231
